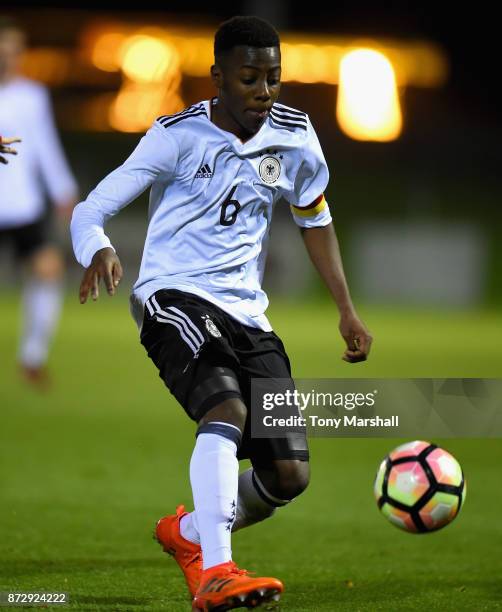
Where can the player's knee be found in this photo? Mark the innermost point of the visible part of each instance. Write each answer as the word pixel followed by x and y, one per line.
pixel 47 264
pixel 292 477
pixel 232 411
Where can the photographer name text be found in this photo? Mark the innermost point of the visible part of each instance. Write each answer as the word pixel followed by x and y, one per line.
pixel 333 423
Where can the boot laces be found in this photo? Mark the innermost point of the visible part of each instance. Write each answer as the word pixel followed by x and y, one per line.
pixel 190 557
pixel 234 569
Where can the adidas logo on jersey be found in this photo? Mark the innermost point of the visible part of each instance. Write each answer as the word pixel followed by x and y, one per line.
pixel 204 172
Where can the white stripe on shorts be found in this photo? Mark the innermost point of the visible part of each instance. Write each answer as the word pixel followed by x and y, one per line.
pixel 185 332
pixel 196 339
pixel 188 320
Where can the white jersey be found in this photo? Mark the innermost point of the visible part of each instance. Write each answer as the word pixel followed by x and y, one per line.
pixel 40 168
pixel 211 204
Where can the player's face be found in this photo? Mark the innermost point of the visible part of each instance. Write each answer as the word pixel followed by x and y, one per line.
pixel 248 81
pixel 11 48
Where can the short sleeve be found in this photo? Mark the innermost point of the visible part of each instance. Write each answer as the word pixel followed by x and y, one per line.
pixel 308 204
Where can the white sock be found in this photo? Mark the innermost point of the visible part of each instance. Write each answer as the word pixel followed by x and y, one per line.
pixel 251 509
pixel 189 529
pixel 41 308
pixel 214 472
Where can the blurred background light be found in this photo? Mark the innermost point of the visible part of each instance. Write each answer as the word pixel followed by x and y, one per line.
pixel 197 54
pixel 148 59
pixel 368 104
pixel 137 105
pixel 104 51
pixel 110 54
pixel 49 65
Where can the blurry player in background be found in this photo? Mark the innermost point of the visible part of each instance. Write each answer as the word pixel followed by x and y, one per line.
pixel 215 171
pixel 42 169
pixel 6 149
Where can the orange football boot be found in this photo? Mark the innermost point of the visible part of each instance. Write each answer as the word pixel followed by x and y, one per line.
pixel 225 586
pixel 187 554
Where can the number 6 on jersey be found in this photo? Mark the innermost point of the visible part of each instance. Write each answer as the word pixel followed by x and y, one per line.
pixel 229 217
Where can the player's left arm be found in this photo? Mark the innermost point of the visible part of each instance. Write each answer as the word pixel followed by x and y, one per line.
pixel 324 251
pixel 312 214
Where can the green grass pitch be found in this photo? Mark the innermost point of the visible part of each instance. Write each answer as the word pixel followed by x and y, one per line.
pixel 87 468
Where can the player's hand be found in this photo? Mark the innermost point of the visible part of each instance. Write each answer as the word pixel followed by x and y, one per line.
pixel 357 338
pixel 106 266
pixel 5 149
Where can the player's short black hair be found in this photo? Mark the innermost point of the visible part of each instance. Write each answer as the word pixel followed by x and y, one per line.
pixel 247 31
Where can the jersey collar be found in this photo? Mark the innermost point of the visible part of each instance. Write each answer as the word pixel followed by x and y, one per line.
pixel 253 144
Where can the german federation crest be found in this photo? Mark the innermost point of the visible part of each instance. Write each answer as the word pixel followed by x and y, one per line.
pixel 270 169
pixel 211 327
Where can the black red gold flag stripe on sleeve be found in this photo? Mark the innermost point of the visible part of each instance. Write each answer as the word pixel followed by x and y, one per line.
pixel 313 209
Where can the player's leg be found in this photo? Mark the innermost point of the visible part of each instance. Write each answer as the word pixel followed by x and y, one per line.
pixel 205 533
pixel 280 466
pixel 214 473
pixel 281 480
pixel 41 300
pixel 267 486
pixel 199 367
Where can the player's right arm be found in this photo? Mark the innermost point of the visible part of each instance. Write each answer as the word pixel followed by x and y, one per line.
pixel 155 156
pixel 106 266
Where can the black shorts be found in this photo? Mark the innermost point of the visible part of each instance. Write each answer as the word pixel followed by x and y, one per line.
pixel 27 239
pixel 184 334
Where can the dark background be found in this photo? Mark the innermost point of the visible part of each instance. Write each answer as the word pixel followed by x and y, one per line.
pixel 468 34
pixel 446 164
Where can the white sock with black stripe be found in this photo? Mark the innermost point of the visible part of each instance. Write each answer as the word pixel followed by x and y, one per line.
pixel 214 473
pixel 252 507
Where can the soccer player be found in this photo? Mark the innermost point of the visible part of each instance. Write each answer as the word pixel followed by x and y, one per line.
pixel 6 149
pixel 215 171
pixel 42 168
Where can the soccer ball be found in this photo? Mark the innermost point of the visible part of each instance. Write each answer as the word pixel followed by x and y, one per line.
pixel 419 487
